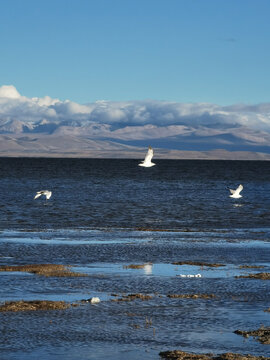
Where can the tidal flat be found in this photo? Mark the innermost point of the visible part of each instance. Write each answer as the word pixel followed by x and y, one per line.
pixel 146 309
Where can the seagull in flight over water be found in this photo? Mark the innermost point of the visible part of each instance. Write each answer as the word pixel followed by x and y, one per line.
pixel 148 157
pixel 46 193
pixel 236 193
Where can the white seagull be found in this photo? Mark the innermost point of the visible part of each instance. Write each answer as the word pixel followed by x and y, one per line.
pixel 236 193
pixel 46 193
pixel 148 157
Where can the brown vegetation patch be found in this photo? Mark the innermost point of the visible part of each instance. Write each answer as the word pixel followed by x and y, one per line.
pixel 262 276
pixel 33 305
pixel 43 269
pixel 192 296
pixel 197 263
pixel 136 266
pixel 131 297
pixel 262 334
pixel 181 355
pixel 251 266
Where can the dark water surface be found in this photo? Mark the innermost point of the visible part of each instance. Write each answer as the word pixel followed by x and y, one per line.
pixel 106 214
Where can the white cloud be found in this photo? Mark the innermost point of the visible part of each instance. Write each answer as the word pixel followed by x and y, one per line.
pixel 9 92
pixel 45 101
pixel 133 120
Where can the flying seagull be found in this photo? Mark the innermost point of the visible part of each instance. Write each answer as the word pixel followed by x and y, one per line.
pixel 148 157
pixel 46 193
pixel 236 193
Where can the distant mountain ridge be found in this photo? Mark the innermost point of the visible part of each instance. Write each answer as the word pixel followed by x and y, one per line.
pixel 50 127
pixel 40 145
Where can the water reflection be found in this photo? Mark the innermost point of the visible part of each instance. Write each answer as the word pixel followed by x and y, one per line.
pixel 148 269
pixel 237 205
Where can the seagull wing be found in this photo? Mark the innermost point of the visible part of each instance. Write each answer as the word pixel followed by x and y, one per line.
pixel 239 189
pixel 48 194
pixel 38 194
pixel 149 155
pixel 232 191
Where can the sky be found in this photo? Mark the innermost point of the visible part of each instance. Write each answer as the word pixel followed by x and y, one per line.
pixel 188 51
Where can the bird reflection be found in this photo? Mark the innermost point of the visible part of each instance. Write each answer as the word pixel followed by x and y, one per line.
pixel 237 205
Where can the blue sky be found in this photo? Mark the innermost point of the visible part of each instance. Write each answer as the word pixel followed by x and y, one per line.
pixel 215 51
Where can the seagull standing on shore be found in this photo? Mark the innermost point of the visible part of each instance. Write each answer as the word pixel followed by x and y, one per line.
pixel 46 193
pixel 147 160
pixel 236 193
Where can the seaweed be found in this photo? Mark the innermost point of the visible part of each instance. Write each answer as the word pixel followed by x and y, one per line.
pixel 182 355
pixel 262 334
pixel 43 269
pixel 35 305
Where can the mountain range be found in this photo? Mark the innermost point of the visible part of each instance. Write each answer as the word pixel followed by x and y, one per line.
pixel 47 127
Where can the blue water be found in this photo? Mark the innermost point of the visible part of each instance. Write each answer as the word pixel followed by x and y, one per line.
pixel 110 193
pixel 106 214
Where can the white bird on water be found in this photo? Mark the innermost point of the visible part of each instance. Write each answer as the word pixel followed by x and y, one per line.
pixel 148 157
pixel 236 193
pixel 46 193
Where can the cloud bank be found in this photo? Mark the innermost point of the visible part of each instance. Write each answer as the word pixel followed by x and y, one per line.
pixel 182 126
